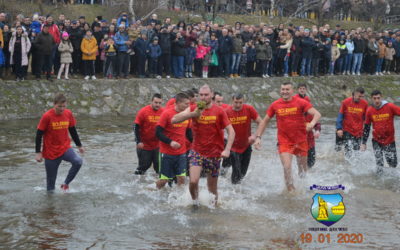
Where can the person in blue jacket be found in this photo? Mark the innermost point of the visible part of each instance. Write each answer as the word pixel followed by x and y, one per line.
pixel 154 53
pixel 122 41
pixel 141 46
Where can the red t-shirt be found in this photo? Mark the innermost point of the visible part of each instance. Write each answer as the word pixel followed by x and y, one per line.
pixel 147 119
pixel 241 123
pixel 353 115
pixel 309 118
pixel 175 132
pixel 290 119
pixel 382 122
pixel 208 133
pixel 56 139
pixel 170 103
pixel 224 106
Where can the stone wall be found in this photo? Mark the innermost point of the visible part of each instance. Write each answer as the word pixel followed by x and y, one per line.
pixel 29 99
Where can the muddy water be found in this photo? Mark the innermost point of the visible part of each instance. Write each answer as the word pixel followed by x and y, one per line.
pixel 110 208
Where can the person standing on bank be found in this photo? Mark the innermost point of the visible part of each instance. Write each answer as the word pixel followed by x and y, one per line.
pixel 19 48
pixel 147 143
pixel 54 127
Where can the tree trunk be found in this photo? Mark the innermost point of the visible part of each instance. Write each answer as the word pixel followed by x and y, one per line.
pixel 131 10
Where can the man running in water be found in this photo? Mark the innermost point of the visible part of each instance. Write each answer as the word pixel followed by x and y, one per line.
pixel 312 134
pixel 350 121
pixel 381 116
pixel 218 99
pixel 55 126
pixel 292 130
pixel 241 115
pixel 145 132
pixel 173 143
pixel 208 142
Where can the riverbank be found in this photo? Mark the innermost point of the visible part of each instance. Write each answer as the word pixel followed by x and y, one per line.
pixel 29 99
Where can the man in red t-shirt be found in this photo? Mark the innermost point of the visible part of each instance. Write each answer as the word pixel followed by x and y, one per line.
pixel 54 127
pixel 145 132
pixel 240 115
pixel 312 134
pixel 381 116
pixel 350 121
pixel 173 143
pixel 218 99
pixel 207 149
pixel 292 130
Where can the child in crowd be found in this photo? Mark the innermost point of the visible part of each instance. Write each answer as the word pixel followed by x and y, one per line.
pixel 243 63
pixel 154 54
pixel 206 59
pixel 335 54
pixel 390 52
pixel 251 58
pixel 110 50
pixel 89 50
pixel 65 48
pixel 190 55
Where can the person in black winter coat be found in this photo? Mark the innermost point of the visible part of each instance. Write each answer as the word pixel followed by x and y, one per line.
pixel 76 36
pixel 225 45
pixel 307 44
pixel 178 55
pixel 165 43
pixel 141 45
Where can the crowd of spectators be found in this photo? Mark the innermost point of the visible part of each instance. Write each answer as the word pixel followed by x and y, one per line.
pixel 121 48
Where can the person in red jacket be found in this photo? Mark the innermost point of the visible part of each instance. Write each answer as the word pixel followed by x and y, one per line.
pixel 381 116
pixel 241 115
pixel 147 143
pixel 208 126
pixel 54 127
pixel 292 130
pixel 173 143
pixel 350 121
pixel 312 134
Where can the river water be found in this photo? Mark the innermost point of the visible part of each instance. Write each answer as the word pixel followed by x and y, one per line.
pixel 108 207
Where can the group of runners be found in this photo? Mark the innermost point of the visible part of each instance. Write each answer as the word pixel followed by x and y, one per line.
pixel 186 136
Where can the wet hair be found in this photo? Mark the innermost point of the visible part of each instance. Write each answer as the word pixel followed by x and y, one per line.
pixel 287 83
pixel 195 91
pixel 189 93
pixel 156 95
pixel 301 85
pixel 237 96
pixel 359 90
pixel 180 97
pixel 59 98
pixel 215 94
pixel 376 92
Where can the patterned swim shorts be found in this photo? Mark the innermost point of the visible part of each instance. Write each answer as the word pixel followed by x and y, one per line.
pixel 209 164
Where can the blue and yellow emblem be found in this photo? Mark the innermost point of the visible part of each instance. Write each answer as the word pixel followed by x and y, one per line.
pixel 328 208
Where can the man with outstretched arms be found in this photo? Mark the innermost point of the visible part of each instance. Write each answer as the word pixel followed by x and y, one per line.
pixel 350 122
pixel 55 126
pixel 147 143
pixel 381 116
pixel 241 115
pixel 292 130
pixel 208 123
pixel 312 134
pixel 173 142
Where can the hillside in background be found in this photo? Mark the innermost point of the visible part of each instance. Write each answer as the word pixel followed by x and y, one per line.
pixel 91 11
